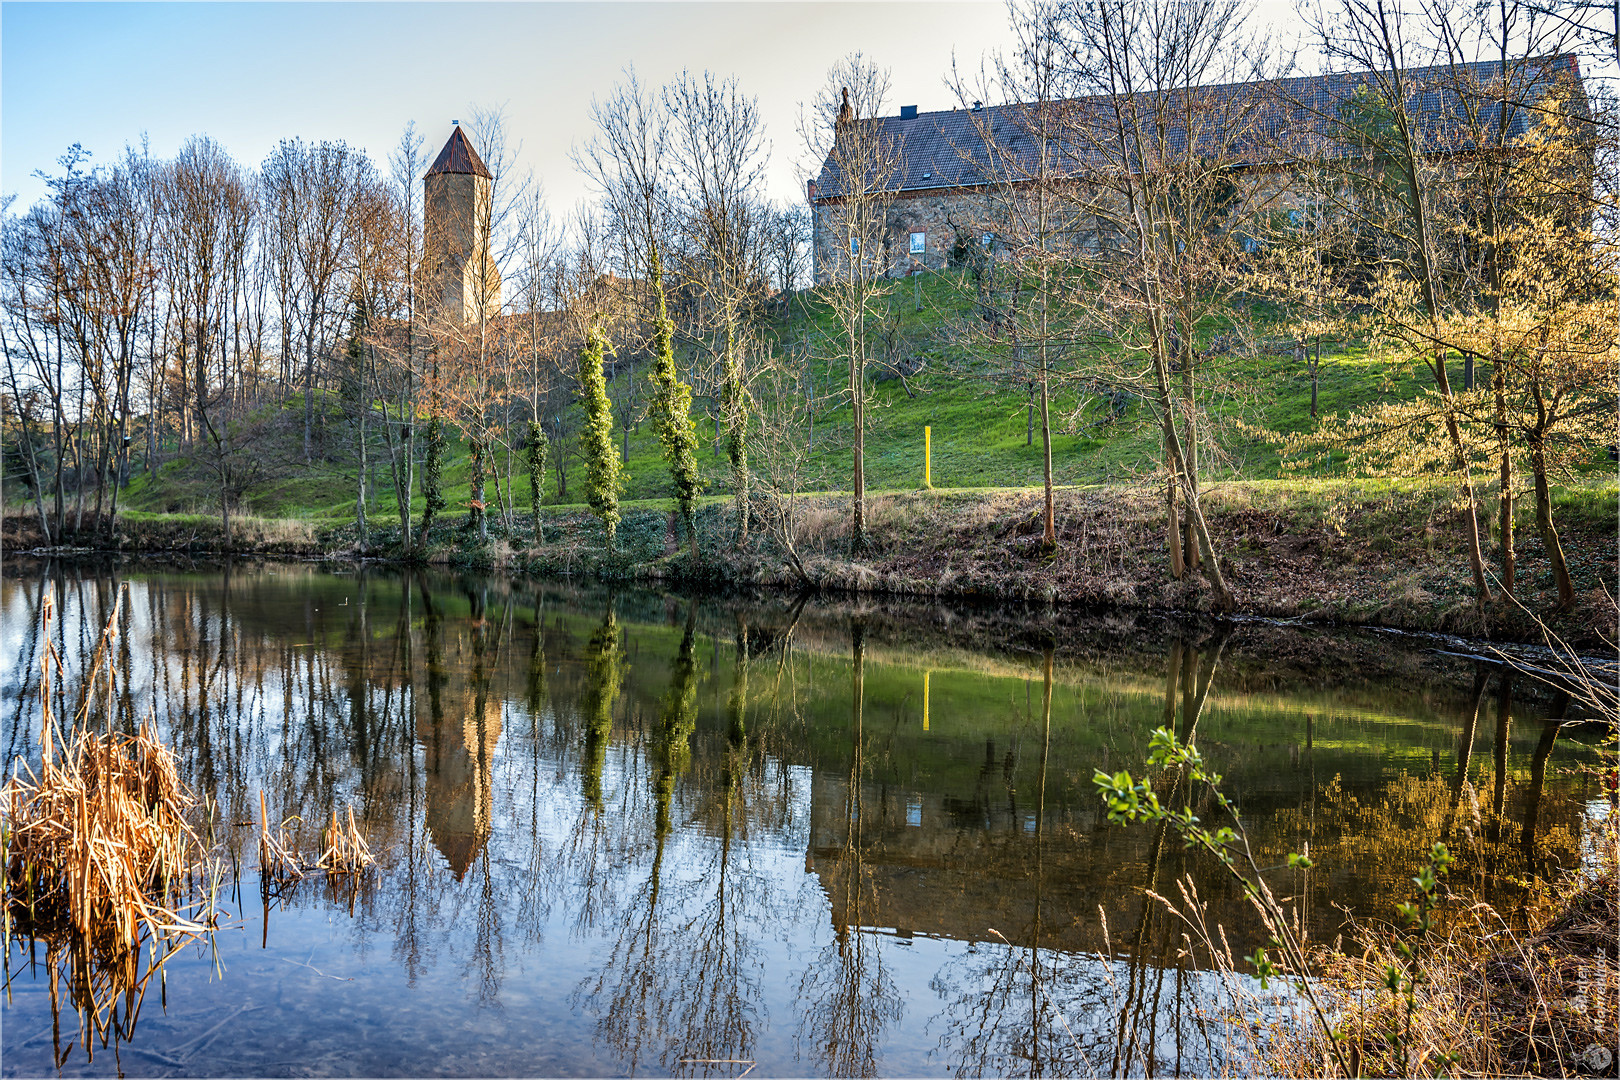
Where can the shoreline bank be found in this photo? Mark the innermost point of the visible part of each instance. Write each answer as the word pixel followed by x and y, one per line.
pixel 1377 555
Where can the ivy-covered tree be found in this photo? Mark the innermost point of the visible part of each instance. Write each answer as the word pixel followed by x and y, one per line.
pixel 603 483
pixel 672 410
pixel 432 478
pixel 538 447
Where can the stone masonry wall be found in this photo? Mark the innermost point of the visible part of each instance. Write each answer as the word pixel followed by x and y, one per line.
pixel 946 218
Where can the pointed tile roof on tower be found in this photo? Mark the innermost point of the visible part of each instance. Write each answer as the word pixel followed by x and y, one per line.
pixel 458 156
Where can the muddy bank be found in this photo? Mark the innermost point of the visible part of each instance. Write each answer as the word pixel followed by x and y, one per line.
pixel 1372 556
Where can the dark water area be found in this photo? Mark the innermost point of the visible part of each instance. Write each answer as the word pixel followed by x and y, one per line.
pixel 634 833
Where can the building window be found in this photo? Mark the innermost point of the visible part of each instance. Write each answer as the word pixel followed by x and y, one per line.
pixel 919 243
pixel 854 245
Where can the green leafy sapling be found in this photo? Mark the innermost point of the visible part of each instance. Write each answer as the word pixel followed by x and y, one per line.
pixel 1130 800
pixel 1402 980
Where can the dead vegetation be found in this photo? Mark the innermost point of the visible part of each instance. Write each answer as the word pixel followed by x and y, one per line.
pixel 344 850
pixel 1492 999
pixel 101 864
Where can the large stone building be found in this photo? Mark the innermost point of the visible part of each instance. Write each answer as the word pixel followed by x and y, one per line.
pixel 946 176
pixel 460 278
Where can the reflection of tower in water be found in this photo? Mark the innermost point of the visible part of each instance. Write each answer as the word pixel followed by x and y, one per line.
pixel 460 757
pixel 460 796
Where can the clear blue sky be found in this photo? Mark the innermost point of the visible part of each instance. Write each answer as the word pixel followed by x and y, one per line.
pixel 250 74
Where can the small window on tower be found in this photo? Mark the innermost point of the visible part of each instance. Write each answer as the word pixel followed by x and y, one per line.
pixel 919 243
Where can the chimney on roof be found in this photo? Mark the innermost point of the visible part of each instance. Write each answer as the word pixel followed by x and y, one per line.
pixel 977 105
pixel 810 190
pixel 908 112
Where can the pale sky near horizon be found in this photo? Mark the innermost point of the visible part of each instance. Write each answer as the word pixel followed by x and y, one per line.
pixel 249 74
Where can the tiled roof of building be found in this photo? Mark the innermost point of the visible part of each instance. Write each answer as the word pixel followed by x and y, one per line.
pixel 458 156
pixel 968 147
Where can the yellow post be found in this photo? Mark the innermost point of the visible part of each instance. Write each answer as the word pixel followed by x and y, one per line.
pixel 928 457
pixel 925 699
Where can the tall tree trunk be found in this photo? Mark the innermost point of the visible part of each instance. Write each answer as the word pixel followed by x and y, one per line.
pixel 1217 580
pixel 1316 370
pixel 1178 567
pixel 736 409
pixel 36 480
pixel 225 502
pixel 1049 531
pixel 360 532
pixel 857 379
pixel 1504 450
pixel 1544 525
pixel 1476 559
pixel 1189 544
pixel 309 391
pixel 476 518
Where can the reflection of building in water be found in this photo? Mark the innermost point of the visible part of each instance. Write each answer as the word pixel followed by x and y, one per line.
pixel 459 792
pixel 957 867
pixel 953 868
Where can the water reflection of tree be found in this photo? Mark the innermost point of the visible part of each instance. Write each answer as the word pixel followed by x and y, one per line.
pixel 604 672
pixel 634 987
pixel 1011 1024
pixel 1022 1009
pixel 1153 948
pixel 591 858
pixel 718 995
pixel 534 896
pixel 847 996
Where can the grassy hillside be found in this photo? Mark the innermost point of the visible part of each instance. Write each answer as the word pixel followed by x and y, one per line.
pixel 980 424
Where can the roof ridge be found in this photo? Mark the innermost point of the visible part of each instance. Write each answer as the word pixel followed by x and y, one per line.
pixel 1548 58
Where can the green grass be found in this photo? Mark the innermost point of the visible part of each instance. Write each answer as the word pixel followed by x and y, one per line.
pixel 979 423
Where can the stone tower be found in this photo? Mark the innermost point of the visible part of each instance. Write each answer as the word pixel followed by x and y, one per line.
pixel 460 279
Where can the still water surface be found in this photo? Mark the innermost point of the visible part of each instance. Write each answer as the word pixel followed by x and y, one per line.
pixel 635 833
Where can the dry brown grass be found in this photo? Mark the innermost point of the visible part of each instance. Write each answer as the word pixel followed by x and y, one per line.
pixel 344 850
pixel 98 840
pixel 278 850
pixel 1491 998
pixel 273 531
pixel 100 862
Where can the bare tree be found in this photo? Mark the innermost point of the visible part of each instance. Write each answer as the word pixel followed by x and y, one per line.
pixel 399 383
pixel 1171 110
pixel 787 246
pixel 719 157
pixel 310 192
pixel 1027 235
pixel 627 161
pixel 859 172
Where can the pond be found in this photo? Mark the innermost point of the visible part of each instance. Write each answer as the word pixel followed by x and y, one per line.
pixel 636 833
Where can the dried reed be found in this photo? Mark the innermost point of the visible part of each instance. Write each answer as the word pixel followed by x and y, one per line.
pixel 346 849
pixel 100 863
pixel 97 841
pixel 278 852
